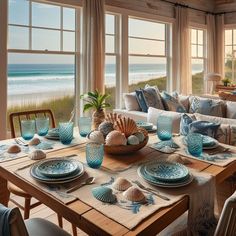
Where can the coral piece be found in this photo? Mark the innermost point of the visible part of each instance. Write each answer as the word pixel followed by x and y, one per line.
pixel 121 184
pixel 34 141
pixel 126 126
pixel 14 149
pixel 134 194
pixel 112 117
pixel 106 127
pixel 37 155
pixel 133 140
pixel 104 194
pixel 96 136
pixel 116 138
pixel 140 136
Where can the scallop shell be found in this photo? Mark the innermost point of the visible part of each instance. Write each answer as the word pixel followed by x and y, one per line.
pixel 121 184
pixel 14 149
pixel 132 140
pixel 34 142
pixel 104 194
pixel 112 117
pixel 134 194
pixel 96 136
pixel 179 159
pixel 37 155
pixel 106 127
pixel 126 126
pixel 115 138
pixel 140 136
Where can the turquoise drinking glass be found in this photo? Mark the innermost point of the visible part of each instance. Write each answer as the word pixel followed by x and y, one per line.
pixel 164 127
pixel 27 129
pixel 85 126
pixel 194 143
pixel 42 125
pixel 94 154
pixel 66 132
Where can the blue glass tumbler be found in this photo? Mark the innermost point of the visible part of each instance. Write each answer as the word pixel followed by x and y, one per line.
pixel 66 132
pixel 194 143
pixel 94 154
pixel 164 127
pixel 85 126
pixel 42 125
pixel 27 129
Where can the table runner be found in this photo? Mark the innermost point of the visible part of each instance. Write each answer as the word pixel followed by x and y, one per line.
pixel 128 214
pixel 219 159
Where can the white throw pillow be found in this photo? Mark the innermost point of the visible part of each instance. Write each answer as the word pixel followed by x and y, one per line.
pixel 131 103
pixel 231 110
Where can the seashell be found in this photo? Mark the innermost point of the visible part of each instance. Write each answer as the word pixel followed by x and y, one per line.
pixel 121 184
pixel 132 140
pixel 96 136
pixel 134 194
pixel 144 131
pixel 179 159
pixel 115 138
pixel 14 149
pixel 104 194
pixel 140 136
pixel 34 141
pixel 126 126
pixel 112 117
pixel 37 155
pixel 106 127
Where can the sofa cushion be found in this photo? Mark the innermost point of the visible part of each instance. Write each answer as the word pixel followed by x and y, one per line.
pixel 206 106
pixel 172 103
pixel 232 135
pixel 136 115
pixel 131 103
pixel 231 110
pixel 185 121
pixel 141 100
pixel 223 134
pixel 184 100
pixel 159 98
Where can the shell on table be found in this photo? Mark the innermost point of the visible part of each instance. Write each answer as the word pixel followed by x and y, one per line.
pixel 126 125
pixel 14 149
pixel 96 136
pixel 134 194
pixel 121 184
pixel 116 138
pixel 106 127
pixel 104 194
pixel 133 140
pixel 179 159
pixel 144 131
pixel 112 117
pixel 37 155
pixel 140 136
pixel 34 142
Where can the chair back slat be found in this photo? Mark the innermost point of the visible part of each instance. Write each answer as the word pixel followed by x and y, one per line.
pixel 227 222
pixel 27 115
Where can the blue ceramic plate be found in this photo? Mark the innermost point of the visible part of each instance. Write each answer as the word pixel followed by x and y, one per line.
pixel 57 168
pixel 54 132
pixel 153 181
pixel 145 125
pixel 207 142
pixel 166 171
pixel 45 179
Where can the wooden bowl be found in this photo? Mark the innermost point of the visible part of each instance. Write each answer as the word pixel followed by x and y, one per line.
pixel 125 149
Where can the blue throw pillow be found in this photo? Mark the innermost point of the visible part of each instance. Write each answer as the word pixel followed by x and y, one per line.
pixel 141 100
pixel 204 127
pixel 184 124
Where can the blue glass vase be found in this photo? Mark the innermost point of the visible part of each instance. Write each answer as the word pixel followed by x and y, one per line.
pixel 164 128
pixel 27 129
pixel 85 126
pixel 94 155
pixel 66 132
pixel 194 143
pixel 42 125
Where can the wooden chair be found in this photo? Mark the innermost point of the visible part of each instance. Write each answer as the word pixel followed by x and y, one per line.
pixel 15 122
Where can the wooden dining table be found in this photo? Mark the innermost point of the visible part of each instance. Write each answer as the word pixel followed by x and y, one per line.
pixel 89 219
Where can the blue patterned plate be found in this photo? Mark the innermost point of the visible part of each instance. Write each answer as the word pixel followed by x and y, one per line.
pixel 153 181
pixel 207 142
pixel 57 168
pixel 166 171
pixel 54 132
pixel 145 125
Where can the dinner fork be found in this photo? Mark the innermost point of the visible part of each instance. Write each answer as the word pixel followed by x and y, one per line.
pixel 153 191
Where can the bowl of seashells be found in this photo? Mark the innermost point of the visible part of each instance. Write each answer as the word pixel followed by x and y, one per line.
pixel 120 135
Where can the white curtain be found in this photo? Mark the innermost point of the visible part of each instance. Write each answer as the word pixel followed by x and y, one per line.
pixel 93 46
pixel 182 81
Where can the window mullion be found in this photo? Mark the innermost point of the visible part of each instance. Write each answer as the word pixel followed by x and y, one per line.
pixel 30 25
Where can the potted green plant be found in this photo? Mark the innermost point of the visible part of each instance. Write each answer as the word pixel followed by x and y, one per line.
pixel 97 102
pixel 226 81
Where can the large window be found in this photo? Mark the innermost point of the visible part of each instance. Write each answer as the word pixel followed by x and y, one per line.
pixel 230 54
pixel 198 51
pixel 148 52
pixel 42 51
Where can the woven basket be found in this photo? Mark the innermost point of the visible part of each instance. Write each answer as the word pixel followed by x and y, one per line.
pixel 125 149
pixel 227 96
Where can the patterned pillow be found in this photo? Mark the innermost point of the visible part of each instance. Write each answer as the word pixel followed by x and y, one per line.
pixel 206 107
pixel 171 103
pixel 204 127
pixel 231 110
pixel 184 124
pixel 141 100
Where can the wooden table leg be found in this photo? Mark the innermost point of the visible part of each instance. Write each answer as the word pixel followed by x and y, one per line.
pixel 4 193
